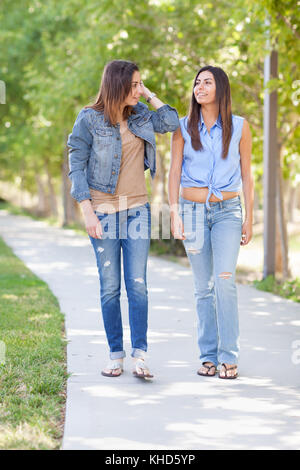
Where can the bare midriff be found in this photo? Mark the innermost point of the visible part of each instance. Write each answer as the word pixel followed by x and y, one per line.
pixel 200 194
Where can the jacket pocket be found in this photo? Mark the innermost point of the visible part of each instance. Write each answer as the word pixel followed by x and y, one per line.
pixel 144 120
pixel 103 144
pixel 103 132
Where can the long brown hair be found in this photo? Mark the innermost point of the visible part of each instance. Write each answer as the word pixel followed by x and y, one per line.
pixel 223 98
pixel 114 88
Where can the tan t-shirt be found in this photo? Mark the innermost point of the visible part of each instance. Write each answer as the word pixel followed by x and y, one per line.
pixel 131 188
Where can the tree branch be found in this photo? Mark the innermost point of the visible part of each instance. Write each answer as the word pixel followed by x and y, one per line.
pixel 292 130
pixel 287 22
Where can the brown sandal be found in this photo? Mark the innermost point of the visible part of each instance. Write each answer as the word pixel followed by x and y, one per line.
pixel 112 366
pixel 208 369
pixel 141 370
pixel 226 376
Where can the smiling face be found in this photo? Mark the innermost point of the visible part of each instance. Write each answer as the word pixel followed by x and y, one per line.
pixel 136 90
pixel 205 88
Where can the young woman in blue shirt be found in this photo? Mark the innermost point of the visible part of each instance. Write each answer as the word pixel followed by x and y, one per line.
pixel 211 161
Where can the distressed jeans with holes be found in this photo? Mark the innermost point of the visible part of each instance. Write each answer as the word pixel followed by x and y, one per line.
pixel 212 245
pixel 130 231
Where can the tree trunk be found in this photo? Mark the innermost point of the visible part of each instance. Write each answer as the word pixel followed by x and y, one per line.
pixel 282 225
pixel 51 192
pixel 42 207
pixel 70 206
pixel 292 202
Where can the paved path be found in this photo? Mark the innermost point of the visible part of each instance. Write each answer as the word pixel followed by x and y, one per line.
pixel 179 410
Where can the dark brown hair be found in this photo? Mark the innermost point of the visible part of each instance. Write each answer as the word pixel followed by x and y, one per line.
pixel 223 98
pixel 114 88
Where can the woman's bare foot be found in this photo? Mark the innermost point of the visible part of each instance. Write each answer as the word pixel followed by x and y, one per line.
pixel 228 371
pixel 207 368
pixel 114 368
pixel 141 370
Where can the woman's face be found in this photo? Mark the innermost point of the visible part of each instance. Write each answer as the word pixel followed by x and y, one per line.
pixel 205 88
pixel 136 90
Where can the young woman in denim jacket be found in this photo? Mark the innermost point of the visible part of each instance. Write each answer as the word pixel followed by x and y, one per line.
pixel 211 159
pixel 111 144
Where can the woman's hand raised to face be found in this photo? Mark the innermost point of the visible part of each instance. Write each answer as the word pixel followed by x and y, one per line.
pixel 145 91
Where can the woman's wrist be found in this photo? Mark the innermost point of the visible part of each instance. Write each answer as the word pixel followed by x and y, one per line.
pixel 248 219
pixel 154 101
pixel 174 210
pixel 86 207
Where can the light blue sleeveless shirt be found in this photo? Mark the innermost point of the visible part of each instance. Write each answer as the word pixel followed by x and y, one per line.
pixel 207 168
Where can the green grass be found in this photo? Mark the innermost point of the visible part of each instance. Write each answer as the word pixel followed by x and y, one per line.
pixel 33 373
pixel 287 289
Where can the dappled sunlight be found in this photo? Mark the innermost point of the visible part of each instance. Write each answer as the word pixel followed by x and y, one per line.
pixel 156 289
pixel 109 443
pixel 177 364
pixel 109 391
pixel 181 410
pixel 161 307
pixel 167 334
pixel 259 299
pixel 199 413
pixel 82 332
pixel 261 313
pixel 239 403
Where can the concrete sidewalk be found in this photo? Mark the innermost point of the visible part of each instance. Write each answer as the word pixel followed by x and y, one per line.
pixel 178 410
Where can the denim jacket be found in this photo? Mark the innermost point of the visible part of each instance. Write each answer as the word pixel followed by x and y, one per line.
pixel 96 148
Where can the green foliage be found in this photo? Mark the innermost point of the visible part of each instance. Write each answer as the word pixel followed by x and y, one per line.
pixel 53 52
pixel 288 289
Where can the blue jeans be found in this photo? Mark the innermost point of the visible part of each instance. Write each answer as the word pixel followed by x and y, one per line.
pixel 212 245
pixel 130 230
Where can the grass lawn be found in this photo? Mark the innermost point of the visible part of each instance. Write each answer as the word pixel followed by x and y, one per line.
pixel 33 373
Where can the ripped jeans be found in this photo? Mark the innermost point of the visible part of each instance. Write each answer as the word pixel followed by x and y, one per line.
pixel 130 230
pixel 212 245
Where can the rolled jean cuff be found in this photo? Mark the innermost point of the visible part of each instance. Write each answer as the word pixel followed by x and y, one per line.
pixel 138 353
pixel 228 359
pixel 117 355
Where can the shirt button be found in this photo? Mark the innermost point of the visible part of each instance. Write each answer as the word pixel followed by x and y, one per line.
pixel 116 156
pixel 109 190
pixel 113 173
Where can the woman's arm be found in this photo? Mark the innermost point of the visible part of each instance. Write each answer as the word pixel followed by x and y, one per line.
pixel 79 143
pixel 155 102
pixel 177 145
pixel 247 179
pixel 165 118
